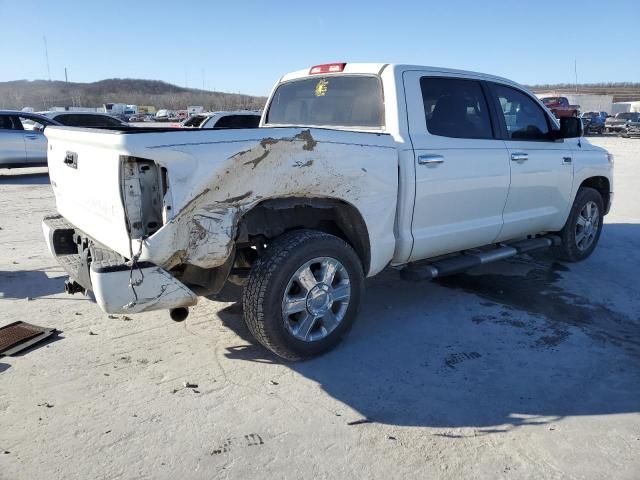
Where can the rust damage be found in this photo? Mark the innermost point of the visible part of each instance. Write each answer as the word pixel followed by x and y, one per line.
pixel 305 135
pixel 194 199
pixel 177 258
pixel 264 143
pixel 197 233
pixel 236 199
pixel 209 225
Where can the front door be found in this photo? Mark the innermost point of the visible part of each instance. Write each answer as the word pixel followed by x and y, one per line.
pixel 461 165
pixel 541 166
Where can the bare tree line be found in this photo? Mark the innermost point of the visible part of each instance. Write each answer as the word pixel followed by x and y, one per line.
pixel 42 95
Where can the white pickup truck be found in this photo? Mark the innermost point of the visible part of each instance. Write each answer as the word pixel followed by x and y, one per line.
pixel 354 168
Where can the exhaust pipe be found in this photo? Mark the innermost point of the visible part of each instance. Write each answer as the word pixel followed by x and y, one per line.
pixel 179 314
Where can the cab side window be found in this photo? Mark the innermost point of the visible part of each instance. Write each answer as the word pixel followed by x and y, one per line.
pixel 455 108
pixel 524 119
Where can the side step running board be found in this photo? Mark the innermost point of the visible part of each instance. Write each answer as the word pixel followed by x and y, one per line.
pixel 465 261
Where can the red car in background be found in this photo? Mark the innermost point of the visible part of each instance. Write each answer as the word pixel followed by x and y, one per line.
pixel 561 107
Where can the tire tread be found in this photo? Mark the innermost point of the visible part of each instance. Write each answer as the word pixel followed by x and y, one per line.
pixel 260 277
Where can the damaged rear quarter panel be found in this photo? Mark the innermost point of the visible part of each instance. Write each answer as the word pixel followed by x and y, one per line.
pixel 224 174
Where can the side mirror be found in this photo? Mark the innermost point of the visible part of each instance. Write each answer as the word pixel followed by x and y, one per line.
pixel 570 127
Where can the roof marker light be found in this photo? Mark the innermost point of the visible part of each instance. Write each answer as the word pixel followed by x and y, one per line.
pixel 327 68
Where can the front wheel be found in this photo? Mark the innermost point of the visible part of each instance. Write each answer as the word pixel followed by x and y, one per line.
pixel 303 294
pixel 581 232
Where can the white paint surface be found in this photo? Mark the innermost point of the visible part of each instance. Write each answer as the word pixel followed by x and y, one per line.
pixel 527 395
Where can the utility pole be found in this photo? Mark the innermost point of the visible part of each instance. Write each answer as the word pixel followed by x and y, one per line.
pixel 575 71
pixel 46 54
pixel 66 79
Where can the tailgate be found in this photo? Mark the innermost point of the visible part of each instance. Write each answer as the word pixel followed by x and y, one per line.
pixel 84 168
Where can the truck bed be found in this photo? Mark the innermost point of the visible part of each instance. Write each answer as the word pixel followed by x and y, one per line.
pixel 177 195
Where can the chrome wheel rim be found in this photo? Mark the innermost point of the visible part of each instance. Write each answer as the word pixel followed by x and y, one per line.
pixel 587 225
pixel 316 299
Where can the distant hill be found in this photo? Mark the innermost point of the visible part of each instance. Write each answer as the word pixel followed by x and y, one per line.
pixel 43 94
pixel 621 91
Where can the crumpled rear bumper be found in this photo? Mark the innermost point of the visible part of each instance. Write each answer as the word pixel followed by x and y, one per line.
pixel 116 286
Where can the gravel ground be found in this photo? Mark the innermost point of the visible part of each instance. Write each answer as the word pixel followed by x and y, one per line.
pixel 524 369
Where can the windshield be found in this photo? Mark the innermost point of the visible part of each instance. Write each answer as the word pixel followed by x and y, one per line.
pixel 590 114
pixel 347 101
pixel 551 100
pixel 628 116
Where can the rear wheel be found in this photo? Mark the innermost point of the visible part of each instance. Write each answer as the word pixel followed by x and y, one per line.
pixel 582 230
pixel 303 294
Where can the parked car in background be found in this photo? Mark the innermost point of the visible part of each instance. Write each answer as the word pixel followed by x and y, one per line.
pixel 592 122
pixel 561 107
pixel 162 115
pixel 85 119
pixel 604 115
pixel 234 119
pixel 137 118
pixel 618 123
pixel 22 141
pixel 632 129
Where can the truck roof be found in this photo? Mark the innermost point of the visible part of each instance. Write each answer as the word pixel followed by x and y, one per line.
pixel 377 69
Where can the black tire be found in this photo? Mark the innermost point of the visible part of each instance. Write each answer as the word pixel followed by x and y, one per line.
pixel 269 277
pixel 569 250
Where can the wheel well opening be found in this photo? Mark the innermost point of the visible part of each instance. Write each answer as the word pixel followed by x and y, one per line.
pixel 273 217
pixel 601 184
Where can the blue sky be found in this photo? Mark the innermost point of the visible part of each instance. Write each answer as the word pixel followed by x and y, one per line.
pixel 244 46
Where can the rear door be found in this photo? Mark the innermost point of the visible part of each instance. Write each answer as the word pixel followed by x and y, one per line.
pixel 541 167
pixel 12 150
pixel 461 166
pixel 34 140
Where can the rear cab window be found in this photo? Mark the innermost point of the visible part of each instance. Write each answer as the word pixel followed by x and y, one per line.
pixel 331 100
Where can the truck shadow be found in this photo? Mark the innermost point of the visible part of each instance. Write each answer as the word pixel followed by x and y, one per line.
pixel 517 344
pixel 28 177
pixel 29 284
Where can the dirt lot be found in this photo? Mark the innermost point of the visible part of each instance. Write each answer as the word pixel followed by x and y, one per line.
pixel 527 369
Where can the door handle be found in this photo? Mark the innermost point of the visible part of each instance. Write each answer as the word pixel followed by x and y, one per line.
pixel 31 137
pixel 430 159
pixel 566 159
pixel 519 157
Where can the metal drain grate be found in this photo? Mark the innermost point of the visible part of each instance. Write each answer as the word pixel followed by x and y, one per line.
pixel 18 336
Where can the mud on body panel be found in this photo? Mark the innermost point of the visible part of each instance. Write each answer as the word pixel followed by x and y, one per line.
pixel 232 175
